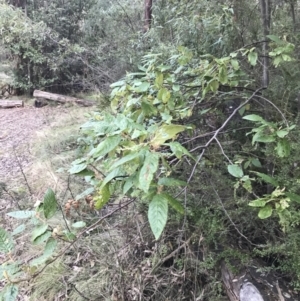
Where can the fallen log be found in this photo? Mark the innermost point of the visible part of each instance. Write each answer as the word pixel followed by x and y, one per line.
pixel 12 103
pixel 61 98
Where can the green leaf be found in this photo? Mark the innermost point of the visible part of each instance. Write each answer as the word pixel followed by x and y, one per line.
pixel 223 75
pixel 79 225
pixel 253 117
pixel 179 150
pixel 6 242
pixel 265 212
pixel 258 203
pixel 38 231
pixel 266 178
pixel 158 214
pixel 11 293
pixel 275 39
pixel 143 87
pixel 252 58
pixel 125 159
pixel 148 108
pixel 166 132
pixel 235 64
pixel 77 168
pixel 256 162
pixel 164 95
pixel 235 170
pixel 42 238
pixel 106 146
pixel 112 175
pixel 147 171
pixel 48 251
pixel 159 80
pixel 282 133
pixel 21 214
pixel 283 148
pixel 171 182
pixel 259 137
pixel 84 193
pixel 294 197
pixel 174 203
pixel 50 204
pixel 18 230
pixel 102 197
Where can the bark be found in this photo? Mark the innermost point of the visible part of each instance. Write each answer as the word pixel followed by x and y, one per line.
pixel 61 98
pixel 265 6
pixel 148 15
pixel 6 104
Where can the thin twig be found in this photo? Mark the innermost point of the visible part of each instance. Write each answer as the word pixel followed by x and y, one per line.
pixel 22 171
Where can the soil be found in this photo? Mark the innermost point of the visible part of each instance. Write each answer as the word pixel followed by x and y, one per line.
pixel 17 128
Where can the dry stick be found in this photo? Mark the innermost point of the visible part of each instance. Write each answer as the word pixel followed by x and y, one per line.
pixel 214 137
pixel 22 171
pixel 230 219
pixel 172 254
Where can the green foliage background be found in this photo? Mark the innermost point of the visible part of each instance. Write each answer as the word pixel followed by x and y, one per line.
pixel 190 137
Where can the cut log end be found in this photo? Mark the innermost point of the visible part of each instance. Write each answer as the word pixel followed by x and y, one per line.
pixel 11 103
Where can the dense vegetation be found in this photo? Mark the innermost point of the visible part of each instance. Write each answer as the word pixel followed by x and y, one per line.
pixel 199 137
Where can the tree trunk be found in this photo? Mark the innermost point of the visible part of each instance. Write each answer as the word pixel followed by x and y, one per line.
pixel 6 104
pixel 265 6
pixel 61 98
pixel 148 15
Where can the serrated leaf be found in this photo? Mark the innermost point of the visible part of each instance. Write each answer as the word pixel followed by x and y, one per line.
pixel 112 175
pixel 106 146
pixel 102 197
pixel 6 242
pixel 253 117
pixel 223 75
pixel 50 204
pixel 77 168
pixel 158 214
pixel 265 212
pixel 266 178
pixel 132 180
pixel 22 214
pixel 125 159
pixel 150 166
pixel 235 170
pixel 283 148
pixel 18 230
pixel 179 150
pixel 166 132
pixel 42 238
pixel 79 225
pixel 174 203
pixel 48 252
pixel 252 58
pixel 11 293
pixel 171 182
pixel 38 231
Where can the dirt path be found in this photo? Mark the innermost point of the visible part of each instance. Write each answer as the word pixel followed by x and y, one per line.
pixel 17 128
